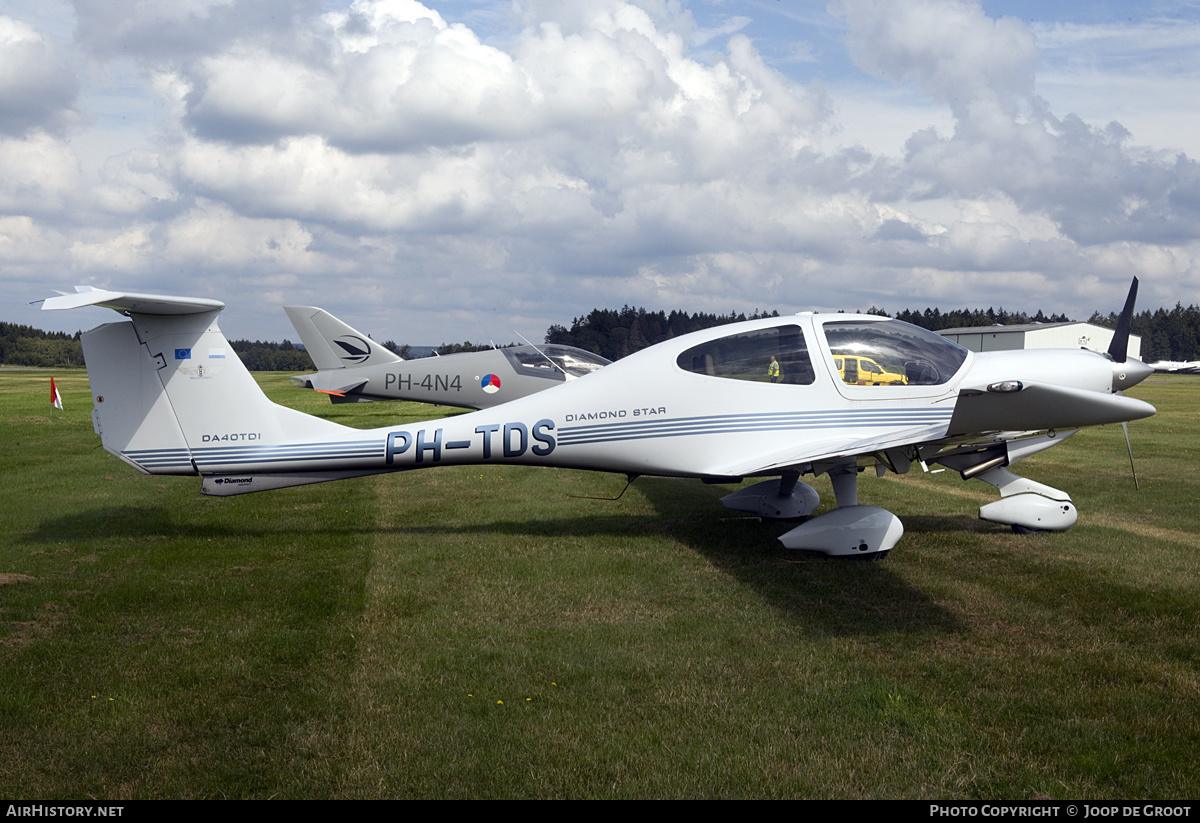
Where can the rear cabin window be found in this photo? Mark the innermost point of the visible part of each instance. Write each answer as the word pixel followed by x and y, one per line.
pixel 775 355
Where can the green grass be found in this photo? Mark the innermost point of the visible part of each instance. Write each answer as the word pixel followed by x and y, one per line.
pixel 488 632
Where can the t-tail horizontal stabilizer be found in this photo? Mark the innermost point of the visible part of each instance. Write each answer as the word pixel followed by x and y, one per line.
pixel 131 302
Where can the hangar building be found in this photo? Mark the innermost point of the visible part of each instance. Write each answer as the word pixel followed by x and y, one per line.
pixel 1039 336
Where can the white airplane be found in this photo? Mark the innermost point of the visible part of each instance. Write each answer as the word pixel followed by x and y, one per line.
pixel 353 368
pixel 1177 366
pixel 172 398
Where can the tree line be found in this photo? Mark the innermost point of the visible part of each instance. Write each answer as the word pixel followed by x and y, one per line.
pixel 266 356
pixel 935 320
pixel 1172 334
pixel 1166 335
pixel 27 346
pixel 616 333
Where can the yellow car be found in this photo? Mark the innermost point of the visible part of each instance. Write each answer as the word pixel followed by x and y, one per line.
pixel 863 371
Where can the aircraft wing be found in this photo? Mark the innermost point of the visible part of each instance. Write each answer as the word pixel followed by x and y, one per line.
pixel 155 304
pixel 831 448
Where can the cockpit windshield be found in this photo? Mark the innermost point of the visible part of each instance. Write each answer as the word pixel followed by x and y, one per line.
pixel 891 353
pixel 554 361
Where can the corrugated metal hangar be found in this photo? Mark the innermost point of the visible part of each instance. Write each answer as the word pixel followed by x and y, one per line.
pixel 1039 336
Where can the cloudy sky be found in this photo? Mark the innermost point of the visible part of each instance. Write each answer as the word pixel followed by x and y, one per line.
pixel 467 169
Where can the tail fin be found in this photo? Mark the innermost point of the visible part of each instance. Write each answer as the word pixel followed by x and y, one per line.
pixel 334 345
pixel 168 387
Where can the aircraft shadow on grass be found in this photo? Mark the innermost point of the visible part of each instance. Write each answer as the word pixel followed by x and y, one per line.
pixel 819 596
pixel 822 597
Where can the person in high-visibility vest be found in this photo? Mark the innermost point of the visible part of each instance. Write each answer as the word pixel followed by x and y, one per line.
pixel 773 370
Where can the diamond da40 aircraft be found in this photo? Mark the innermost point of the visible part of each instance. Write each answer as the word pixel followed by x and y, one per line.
pixel 353 368
pixel 758 399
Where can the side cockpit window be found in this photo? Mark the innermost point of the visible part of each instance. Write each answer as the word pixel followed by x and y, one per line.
pixel 775 355
pixel 891 353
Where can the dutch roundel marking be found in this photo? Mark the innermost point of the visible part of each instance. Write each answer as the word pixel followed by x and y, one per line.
pixel 490 383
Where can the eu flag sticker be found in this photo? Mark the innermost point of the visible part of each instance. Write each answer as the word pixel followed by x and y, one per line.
pixel 183 354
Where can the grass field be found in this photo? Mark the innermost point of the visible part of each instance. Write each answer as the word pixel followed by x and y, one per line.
pixel 487 632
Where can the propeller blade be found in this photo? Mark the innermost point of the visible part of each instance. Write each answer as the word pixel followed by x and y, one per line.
pixel 1118 350
pixel 1129 446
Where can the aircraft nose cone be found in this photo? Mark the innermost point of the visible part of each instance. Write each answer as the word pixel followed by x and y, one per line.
pixel 1129 373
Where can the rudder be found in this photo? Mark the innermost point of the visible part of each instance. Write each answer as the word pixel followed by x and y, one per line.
pixel 131 412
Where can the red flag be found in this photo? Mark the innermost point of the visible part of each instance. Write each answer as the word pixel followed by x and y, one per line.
pixel 55 397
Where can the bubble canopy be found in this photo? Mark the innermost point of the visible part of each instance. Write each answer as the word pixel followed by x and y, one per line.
pixel 875 352
pixel 553 361
pixel 923 357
